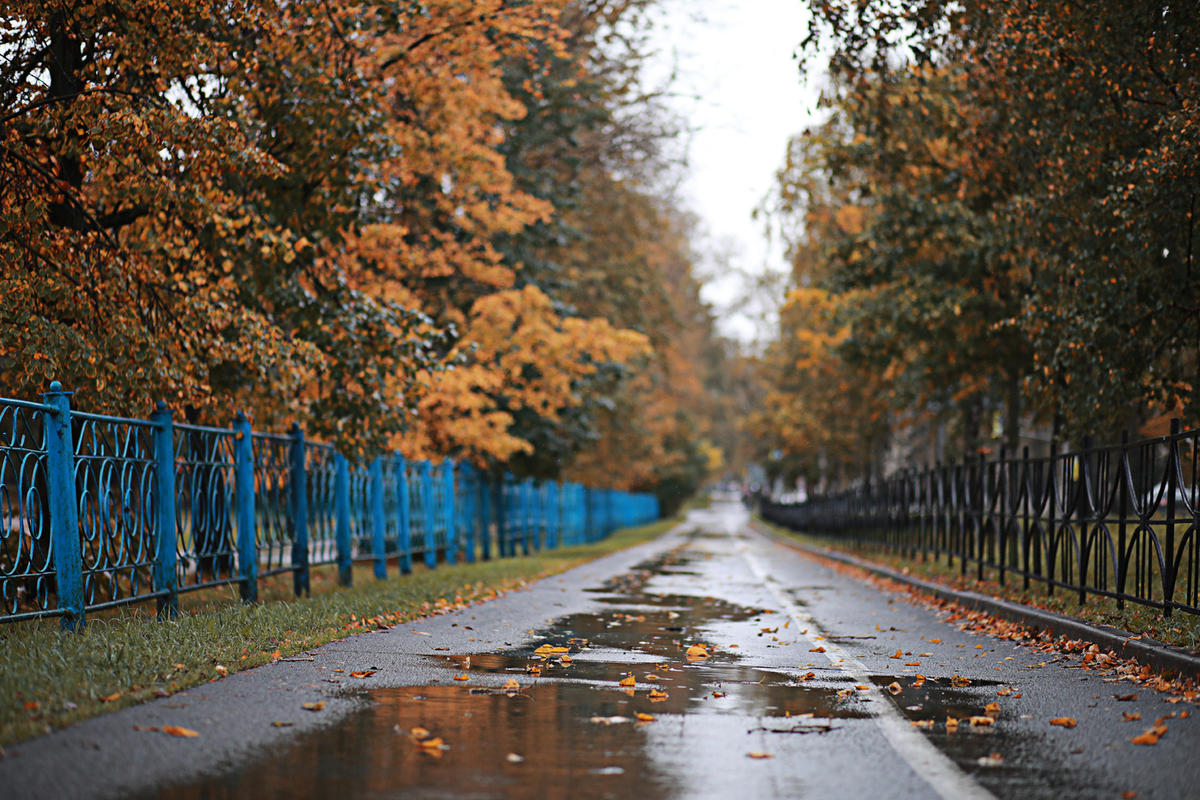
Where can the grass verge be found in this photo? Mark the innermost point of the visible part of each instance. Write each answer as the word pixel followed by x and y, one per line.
pixel 1182 630
pixel 49 679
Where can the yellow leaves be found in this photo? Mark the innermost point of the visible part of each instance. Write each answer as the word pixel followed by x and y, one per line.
pixel 628 680
pixel 644 717
pixel 511 685
pixel 657 695
pixel 757 754
pixel 1064 722
pixel 314 706
pixel 180 732
pixel 550 649
pixel 463 677
pixel 696 651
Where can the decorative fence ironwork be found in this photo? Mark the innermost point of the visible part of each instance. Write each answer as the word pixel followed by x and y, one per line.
pixel 99 511
pixel 1119 521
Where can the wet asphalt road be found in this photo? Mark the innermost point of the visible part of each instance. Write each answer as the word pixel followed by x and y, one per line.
pixel 791 699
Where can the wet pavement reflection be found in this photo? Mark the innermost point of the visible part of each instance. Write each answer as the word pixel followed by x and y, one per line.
pixel 617 703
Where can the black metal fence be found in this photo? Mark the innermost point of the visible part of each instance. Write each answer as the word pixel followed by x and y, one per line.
pixel 1118 521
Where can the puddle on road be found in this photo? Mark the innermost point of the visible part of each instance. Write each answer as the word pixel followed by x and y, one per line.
pixel 572 731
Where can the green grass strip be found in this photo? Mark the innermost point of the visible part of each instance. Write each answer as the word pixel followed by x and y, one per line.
pixel 1180 629
pixel 49 679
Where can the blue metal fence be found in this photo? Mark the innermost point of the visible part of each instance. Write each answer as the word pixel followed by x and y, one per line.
pixel 99 511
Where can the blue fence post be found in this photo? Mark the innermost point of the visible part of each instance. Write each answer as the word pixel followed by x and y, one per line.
pixel 500 506
pixel 551 514
pixel 405 506
pixel 484 489
pixel 243 469
pixel 64 508
pixel 468 513
pixel 341 504
pixel 378 521
pixel 164 481
pixel 527 521
pixel 449 513
pixel 427 515
pixel 298 478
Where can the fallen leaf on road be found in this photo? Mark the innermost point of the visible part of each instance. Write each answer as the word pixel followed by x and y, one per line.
pixel 844 693
pixel 463 677
pixel 435 743
pixel 111 697
pixel 1005 692
pixel 895 688
pixel 644 717
pixel 816 649
pixel 718 694
pixel 756 754
pixel 628 680
pixel 935 641
pixel 922 723
pixel 912 663
pixel 548 649
pixel 697 651
pixel 1131 716
pixel 980 722
pixel 959 681
pixel 182 733
pixel 898 654
pixel 1125 698
pixel 534 669
pixel 314 706
pixel 1151 736
pixel 657 696
pixel 565 661
pixel 992 708
pixel 1064 722
pixel 278 724
pixel 366 673
pixel 808 676
pixel 511 685
pixel 951 724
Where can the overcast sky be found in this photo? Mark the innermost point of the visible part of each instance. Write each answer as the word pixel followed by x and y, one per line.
pixel 739 87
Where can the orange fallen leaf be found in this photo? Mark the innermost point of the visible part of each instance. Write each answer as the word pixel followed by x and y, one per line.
pixel 1131 716
pixel 978 647
pixel 366 673
pixel 922 723
pixel 463 677
pixel 992 708
pixel 755 754
pixel 111 698
pixel 314 706
pixel 980 722
pixel 697 651
pixel 644 717
pixel 895 688
pixel 951 724
pixel 808 676
pixel 718 694
pixel 935 641
pixel 912 663
pixel 32 705
pixel 435 743
pixel 817 649
pixel 182 733
pixel 650 676
pixel 419 733
pixel 565 660
pixel 534 669
pixel 548 649
pixel 511 685
pixel 959 681
pixel 628 680
pixel 1005 692
pixel 898 654
pixel 1064 722
pixel 657 696
pixel 1147 738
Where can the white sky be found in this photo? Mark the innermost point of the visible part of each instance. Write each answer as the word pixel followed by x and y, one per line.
pixel 739 87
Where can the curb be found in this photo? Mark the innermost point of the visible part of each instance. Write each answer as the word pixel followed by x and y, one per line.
pixel 1161 656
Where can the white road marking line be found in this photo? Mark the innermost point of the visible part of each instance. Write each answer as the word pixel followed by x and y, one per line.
pixel 930 764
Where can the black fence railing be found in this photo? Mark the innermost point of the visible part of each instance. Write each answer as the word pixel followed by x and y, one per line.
pixel 1118 521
